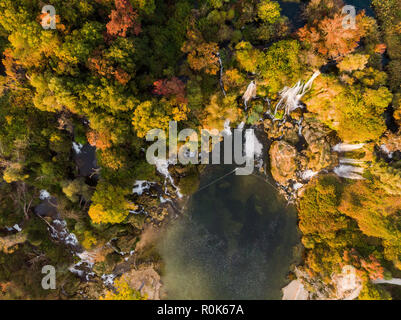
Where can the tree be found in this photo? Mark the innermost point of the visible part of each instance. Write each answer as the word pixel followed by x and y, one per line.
pixel 373 209
pixel 354 112
pixel 104 67
pixel 168 88
pixel 112 159
pixel 123 19
pixel 269 11
pixel 373 292
pixel 325 38
pixel 219 110
pixel 157 115
pixel 75 188
pixel 318 213
pixel 281 66
pixel 123 292
pixel 100 140
pixel 201 55
pixel 353 62
pixel 109 204
pixel 248 57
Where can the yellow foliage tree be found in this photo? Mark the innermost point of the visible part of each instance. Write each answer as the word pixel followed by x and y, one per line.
pixel 157 115
pixel 221 109
pixel 109 204
pixel 123 292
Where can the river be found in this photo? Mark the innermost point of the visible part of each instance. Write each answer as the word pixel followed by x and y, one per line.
pixel 237 240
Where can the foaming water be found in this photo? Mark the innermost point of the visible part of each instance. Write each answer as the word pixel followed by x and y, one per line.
pixel 237 241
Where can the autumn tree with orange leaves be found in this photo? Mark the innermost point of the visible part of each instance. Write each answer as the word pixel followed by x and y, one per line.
pixel 329 38
pixel 370 265
pixel 100 140
pixel 123 19
pixel 171 87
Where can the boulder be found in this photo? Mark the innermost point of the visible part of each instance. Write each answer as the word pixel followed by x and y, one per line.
pixel 287 131
pixel 283 161
pixel 319 140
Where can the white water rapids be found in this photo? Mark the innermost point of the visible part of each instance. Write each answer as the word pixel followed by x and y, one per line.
pixel 162 168
pixel 346 147
pixel 346 168
pixel 250 93
pixel 291 97
pixel 349 172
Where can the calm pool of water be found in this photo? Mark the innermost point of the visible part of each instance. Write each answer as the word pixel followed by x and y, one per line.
pixel 237 241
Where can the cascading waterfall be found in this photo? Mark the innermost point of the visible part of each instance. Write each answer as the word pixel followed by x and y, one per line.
pixel 241 125
pixel 59 232
pixel 227 128
pixel 308 174
pixel 346 147
pixel 253 148
pixel 250 93
pixel 141 186
pixel 300 127
pixel 349 172
pixel 291 97
pixel 162 168
pixel 346 169
pixel 77 147
pixel 221 73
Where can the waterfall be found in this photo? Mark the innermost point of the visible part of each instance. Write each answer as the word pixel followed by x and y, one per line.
pixel 395 281
pixel 252 145
pixel 44 195
pixel 299 123
pixel 14 228
pixel 349 172
pixel 227 128
pixel 162 168
pixel 250 93
pixel 384 148
pixel 108 279
pixel 253 148
pixel 308 174
pixel 345 170
pixel 77 147
pixel 291 97
pixel 140 186
pixel 59 232
pixel 297 186
pixel 221 73
pixel 345 147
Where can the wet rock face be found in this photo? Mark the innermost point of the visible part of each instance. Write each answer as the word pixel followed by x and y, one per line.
pixel 287 131
pixel 283 161
pixel 318 152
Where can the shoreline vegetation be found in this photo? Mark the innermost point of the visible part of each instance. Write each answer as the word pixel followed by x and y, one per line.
pixel 76 103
